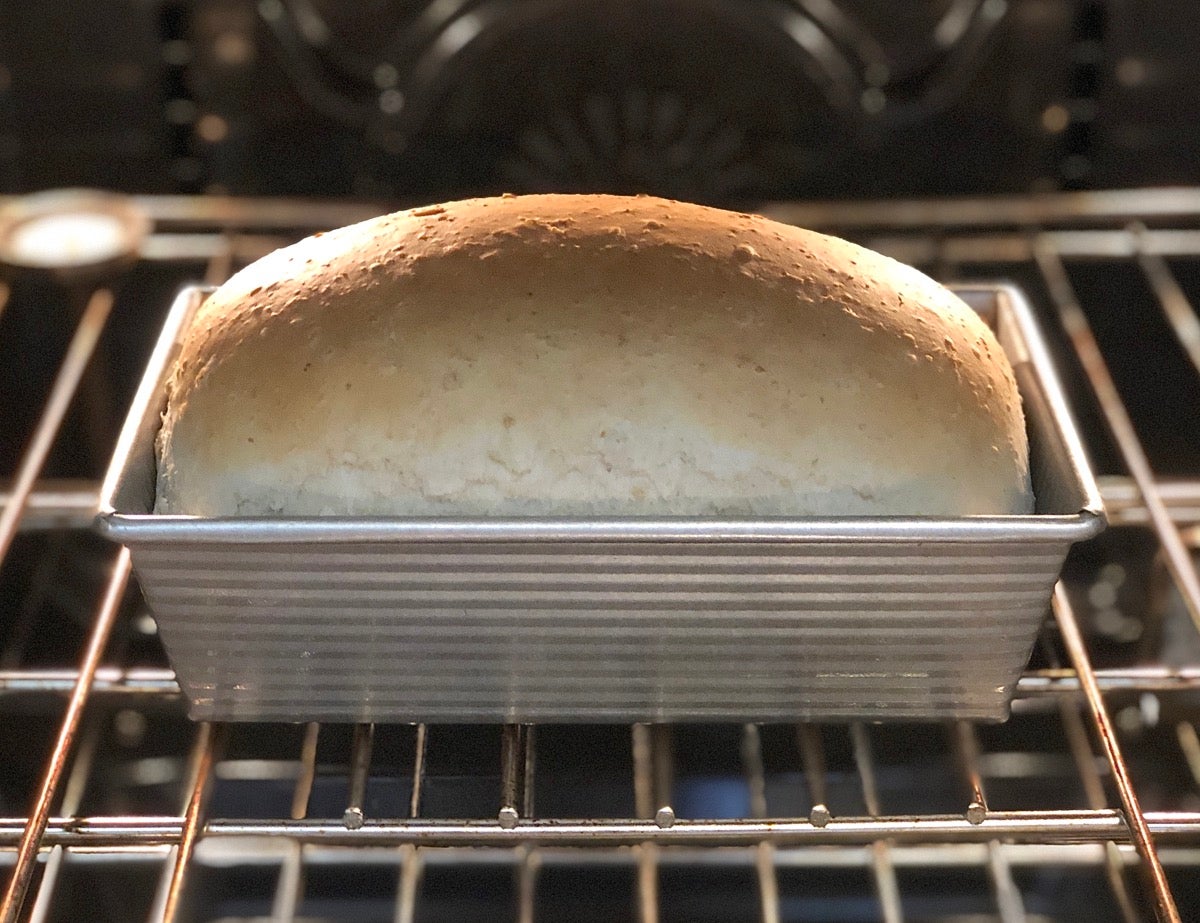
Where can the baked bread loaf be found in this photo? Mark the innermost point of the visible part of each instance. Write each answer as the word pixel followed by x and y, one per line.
pixel 588 355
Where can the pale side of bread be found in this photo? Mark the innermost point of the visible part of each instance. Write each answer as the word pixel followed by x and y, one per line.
pixel 588 355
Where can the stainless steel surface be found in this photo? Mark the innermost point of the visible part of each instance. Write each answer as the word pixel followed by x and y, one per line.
pixel 1034 683
pixel 1023 857
pixel 292 217
pixel 1112 205
pixel 611 620
pixel 1048 827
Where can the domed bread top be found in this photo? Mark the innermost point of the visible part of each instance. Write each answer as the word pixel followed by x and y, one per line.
pixel 559 355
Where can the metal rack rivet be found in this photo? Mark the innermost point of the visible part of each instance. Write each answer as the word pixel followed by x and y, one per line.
pixel 1007 894
pixel 513 769
pixel 360 767
pixel 967 746
pixel 812 759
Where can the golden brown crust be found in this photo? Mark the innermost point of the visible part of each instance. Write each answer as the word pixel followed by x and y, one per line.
pixel 588 354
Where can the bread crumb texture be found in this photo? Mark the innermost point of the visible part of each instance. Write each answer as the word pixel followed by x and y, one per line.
pixel 559 355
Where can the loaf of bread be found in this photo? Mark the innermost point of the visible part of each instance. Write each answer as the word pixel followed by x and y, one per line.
pixel 558 355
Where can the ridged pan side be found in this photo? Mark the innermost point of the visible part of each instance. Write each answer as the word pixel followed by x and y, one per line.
pixel 599 632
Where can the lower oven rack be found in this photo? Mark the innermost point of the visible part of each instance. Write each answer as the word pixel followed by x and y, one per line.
pixel 817 806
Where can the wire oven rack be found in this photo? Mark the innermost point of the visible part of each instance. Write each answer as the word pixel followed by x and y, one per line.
pixel 138 814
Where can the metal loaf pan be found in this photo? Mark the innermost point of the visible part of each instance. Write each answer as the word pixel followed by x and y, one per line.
pixel 455 620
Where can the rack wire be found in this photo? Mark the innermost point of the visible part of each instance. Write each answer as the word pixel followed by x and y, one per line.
pixel 797 814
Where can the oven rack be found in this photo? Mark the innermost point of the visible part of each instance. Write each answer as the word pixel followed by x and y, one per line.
pixel 1146 228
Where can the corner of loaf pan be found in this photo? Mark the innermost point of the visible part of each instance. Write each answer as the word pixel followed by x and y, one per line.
pixel 607 619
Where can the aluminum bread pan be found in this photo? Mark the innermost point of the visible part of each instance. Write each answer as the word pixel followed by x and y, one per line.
pixel 607 619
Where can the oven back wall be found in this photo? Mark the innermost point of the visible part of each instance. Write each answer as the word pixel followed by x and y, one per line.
pixel 716 100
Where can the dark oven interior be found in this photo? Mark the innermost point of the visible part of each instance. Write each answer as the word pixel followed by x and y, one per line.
pixel 1043 142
